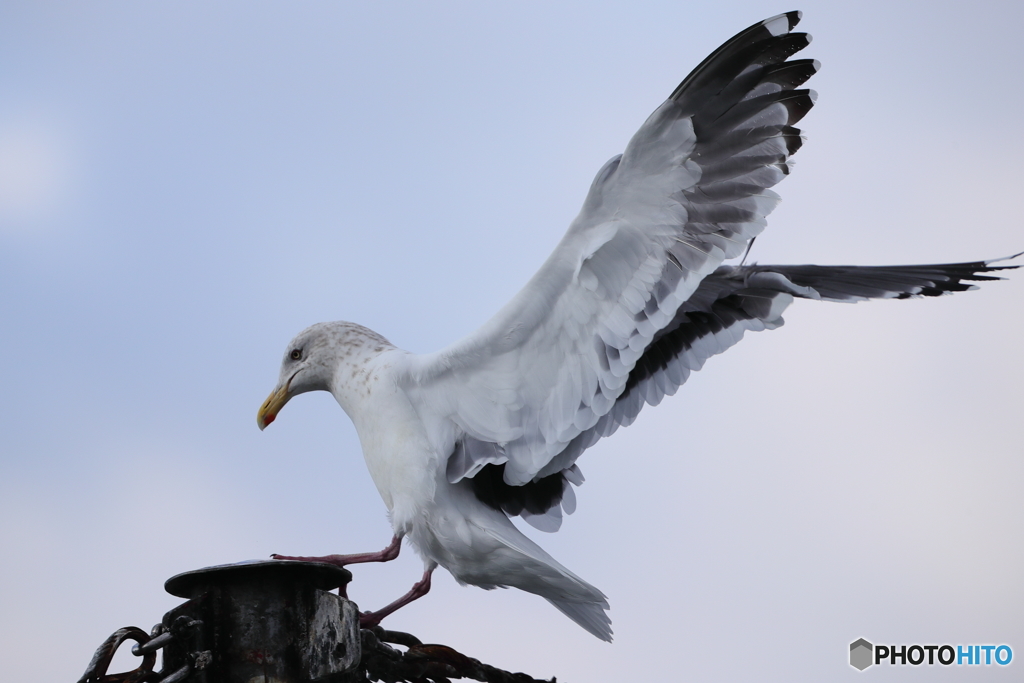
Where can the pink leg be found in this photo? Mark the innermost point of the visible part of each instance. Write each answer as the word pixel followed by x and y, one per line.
pixel 386 555
pixel 418 590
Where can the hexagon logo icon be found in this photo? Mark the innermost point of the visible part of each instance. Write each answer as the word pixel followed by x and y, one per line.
pixel 861 654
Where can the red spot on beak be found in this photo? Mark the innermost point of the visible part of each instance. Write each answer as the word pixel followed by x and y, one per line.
pixel 268 419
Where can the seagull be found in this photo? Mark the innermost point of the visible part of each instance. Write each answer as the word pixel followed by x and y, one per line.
pixel 634 298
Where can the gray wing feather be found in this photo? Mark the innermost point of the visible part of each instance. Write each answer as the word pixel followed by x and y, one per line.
pixel 630 303
pixel 689 191
pixel 736 300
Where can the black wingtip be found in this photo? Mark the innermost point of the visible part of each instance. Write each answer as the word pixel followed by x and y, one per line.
pixel 798 103
pixel 768 31
pixel 793 18
pixel 780 24
pixel 1004 258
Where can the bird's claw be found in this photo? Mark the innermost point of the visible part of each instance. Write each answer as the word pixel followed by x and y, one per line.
pixel 369 619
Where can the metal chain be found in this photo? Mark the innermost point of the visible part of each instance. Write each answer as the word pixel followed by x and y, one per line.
pixel 420 662
pixel 379 662
pixel 146 647
pixel 96 672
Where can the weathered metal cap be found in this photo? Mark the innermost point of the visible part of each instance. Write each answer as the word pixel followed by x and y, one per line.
pixel 316 574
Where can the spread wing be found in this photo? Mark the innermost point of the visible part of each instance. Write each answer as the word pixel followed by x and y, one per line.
pixel 690 190
pixel 735 300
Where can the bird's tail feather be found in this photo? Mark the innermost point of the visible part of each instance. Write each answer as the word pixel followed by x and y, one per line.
pixel 590 615
pixel 543 575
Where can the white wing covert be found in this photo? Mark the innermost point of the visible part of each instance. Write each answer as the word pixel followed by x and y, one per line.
pixel 690 190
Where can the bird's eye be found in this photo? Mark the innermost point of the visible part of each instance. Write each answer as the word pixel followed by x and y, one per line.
pixel 296 354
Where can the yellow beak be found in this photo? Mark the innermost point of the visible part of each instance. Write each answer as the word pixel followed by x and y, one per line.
pixel 272 406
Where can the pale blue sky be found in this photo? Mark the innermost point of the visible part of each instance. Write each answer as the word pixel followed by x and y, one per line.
pixel 184 187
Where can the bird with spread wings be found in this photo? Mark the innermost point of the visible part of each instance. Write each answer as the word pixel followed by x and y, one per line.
pixel 634 298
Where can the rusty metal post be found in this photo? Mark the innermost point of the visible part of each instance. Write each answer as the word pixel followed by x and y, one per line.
pixel 262 622
pixel 275 622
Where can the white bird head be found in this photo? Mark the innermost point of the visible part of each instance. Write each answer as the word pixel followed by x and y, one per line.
pixel 321 358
